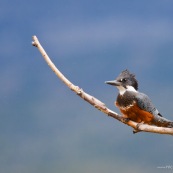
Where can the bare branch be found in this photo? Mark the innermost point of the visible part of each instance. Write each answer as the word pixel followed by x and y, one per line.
pixel 97 103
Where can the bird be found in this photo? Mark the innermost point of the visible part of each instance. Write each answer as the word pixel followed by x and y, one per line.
pixel 134 105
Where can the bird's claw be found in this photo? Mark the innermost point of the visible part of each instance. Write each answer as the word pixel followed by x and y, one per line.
pixel 126 120
pixel 136 130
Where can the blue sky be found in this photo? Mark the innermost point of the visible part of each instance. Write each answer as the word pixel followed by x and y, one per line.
pixel 45 127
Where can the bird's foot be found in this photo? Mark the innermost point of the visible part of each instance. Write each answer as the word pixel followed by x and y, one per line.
pixel 136 130
pixel 137 126
pixel 125 120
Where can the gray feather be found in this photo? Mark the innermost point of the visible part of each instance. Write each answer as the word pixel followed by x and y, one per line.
pixel 145 103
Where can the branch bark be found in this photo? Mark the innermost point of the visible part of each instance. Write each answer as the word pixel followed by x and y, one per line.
pixel 97 103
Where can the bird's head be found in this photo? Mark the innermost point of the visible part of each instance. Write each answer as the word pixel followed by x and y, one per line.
pixel 125 81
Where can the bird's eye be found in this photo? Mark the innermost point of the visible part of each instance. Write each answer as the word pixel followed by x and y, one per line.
pixel 123 80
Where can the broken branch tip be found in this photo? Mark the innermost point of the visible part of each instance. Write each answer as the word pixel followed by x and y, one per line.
pixel 34 44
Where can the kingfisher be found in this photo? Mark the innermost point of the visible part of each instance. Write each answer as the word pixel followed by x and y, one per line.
pixel 134 105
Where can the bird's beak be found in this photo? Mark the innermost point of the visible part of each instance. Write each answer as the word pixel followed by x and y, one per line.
pixel 113 82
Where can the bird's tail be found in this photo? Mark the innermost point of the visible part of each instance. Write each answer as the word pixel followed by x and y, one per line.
pixel 162 122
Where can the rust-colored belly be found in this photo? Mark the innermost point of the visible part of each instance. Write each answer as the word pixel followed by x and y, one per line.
pixel 136 114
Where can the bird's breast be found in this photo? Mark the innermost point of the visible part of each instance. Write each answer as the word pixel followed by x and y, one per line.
pixel 130 109
pixel 126 100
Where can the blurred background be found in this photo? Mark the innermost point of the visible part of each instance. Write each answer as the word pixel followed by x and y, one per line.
pixel 45 127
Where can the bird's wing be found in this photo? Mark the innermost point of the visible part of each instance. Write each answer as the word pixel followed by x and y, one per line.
pixel 144 102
